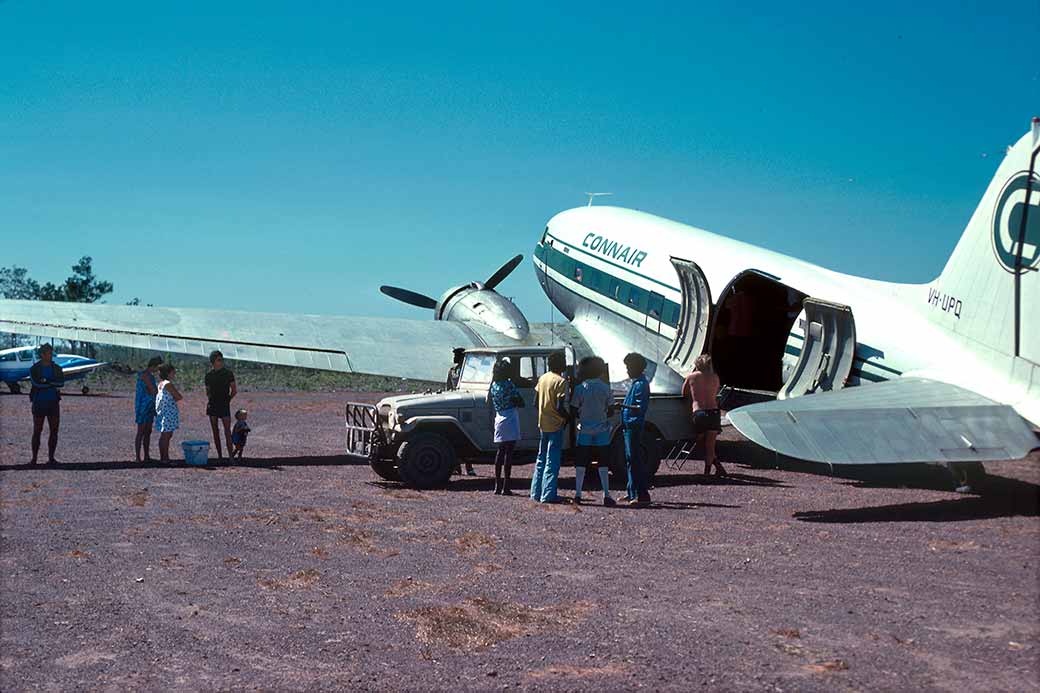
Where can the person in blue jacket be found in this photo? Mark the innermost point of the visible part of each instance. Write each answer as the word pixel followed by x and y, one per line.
pixel 633 418
pixel 47 379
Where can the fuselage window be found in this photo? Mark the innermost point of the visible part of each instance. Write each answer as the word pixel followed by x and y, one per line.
pixel 578 273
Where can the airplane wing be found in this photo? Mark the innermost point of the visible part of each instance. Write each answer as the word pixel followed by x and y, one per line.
pixel 902 420
pixel 419 349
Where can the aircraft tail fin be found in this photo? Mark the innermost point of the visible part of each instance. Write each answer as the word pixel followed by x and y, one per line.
pixel 976 294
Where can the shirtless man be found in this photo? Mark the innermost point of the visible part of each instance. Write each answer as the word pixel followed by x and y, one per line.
pixel 702 388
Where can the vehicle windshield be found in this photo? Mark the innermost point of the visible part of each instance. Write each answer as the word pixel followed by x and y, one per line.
pixel 477 369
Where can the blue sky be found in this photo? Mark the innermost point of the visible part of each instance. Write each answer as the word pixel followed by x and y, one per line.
pixel 295 156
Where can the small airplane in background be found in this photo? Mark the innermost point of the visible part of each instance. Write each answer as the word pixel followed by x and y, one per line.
pixel 15 364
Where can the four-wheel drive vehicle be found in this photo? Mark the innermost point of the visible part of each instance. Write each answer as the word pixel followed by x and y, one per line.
pixel 421 438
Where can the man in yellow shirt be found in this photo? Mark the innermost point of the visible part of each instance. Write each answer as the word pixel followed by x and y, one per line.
pixel 552 394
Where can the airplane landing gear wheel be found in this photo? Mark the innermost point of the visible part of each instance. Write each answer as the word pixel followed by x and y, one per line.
pixel 426 461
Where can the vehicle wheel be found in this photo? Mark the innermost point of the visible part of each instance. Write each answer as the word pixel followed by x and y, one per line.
pixel 386 470
pixel 15 388
pixel 651 454
pixel 652 445
pixel 426 461
pixel 85 390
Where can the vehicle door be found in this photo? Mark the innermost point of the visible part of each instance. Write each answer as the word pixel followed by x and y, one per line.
pixel 532 367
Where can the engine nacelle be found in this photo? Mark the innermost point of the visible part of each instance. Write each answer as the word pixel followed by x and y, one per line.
pixel 475 302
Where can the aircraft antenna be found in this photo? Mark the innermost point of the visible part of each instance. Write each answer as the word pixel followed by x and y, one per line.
pixel 596 194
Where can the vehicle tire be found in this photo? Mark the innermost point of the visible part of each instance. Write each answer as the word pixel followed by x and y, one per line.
pixel 618 466
pixel 386 470
pixel 15 388
pixel 85 390
pixel 651 454
pixel 426 460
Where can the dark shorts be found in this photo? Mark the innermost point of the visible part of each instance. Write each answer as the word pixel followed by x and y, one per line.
pixel 707 420
pixel 219 409
pixel 585 454
pixel 46 408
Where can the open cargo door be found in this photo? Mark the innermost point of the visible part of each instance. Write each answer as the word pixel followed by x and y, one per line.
pixel 694 314
pixel 828 350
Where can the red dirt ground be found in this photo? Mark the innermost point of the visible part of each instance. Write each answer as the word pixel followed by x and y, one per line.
pixel 300 570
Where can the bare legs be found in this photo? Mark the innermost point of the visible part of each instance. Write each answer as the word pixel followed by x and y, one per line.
pixel 710 459
pixel 504 458
pixel 226 420
pixel 164 446
pixel 53 420
pixel 143 440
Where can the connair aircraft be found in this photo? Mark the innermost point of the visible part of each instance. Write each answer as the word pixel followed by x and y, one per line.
pixel 864 371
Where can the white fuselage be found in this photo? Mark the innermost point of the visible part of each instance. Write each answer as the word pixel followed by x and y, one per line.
pixel 609 270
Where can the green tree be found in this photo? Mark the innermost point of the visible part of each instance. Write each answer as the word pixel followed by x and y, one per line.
pixel 80 287
pixel 15 283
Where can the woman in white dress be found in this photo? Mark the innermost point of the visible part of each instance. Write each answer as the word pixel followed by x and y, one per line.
pixel 167 413
pixel 505 398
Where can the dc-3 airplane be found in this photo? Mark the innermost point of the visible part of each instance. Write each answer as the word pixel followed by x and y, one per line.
pixel 15 364
pixel 864 371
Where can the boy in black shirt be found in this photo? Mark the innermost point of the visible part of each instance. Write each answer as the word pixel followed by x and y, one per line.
pixel 220 390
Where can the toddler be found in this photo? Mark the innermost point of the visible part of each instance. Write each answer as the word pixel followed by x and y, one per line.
pixel 240 432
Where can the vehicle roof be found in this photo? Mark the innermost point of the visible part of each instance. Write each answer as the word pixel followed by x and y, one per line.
pixel 514 349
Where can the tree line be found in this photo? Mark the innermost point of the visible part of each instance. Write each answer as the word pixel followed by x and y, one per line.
pixel 82 286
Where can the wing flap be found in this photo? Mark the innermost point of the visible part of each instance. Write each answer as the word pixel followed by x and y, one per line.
pixel 903 420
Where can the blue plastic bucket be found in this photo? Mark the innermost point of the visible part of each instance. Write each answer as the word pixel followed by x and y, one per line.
pixel 196 452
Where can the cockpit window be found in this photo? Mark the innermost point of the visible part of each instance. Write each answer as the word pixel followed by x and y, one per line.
pixel 477 369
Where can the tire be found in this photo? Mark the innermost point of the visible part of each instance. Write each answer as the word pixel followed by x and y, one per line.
pixel 426 460
pixel 651 454
pixel 15 388
pixel 85 390
pixel 386 470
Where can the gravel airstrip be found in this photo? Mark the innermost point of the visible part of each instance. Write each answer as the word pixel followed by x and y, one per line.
pixel 298 569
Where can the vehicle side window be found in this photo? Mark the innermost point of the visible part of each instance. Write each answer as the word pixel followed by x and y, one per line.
pixel 531 369
pixel 9 357
pixel 26 355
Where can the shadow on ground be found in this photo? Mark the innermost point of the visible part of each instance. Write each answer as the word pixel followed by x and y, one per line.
pixel 1001 497
pixel 258 463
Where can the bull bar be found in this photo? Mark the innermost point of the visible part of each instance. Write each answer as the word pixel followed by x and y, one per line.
pixel 366 437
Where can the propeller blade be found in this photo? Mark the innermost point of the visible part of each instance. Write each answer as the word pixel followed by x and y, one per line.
pixel 503 272
pixel 410 297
